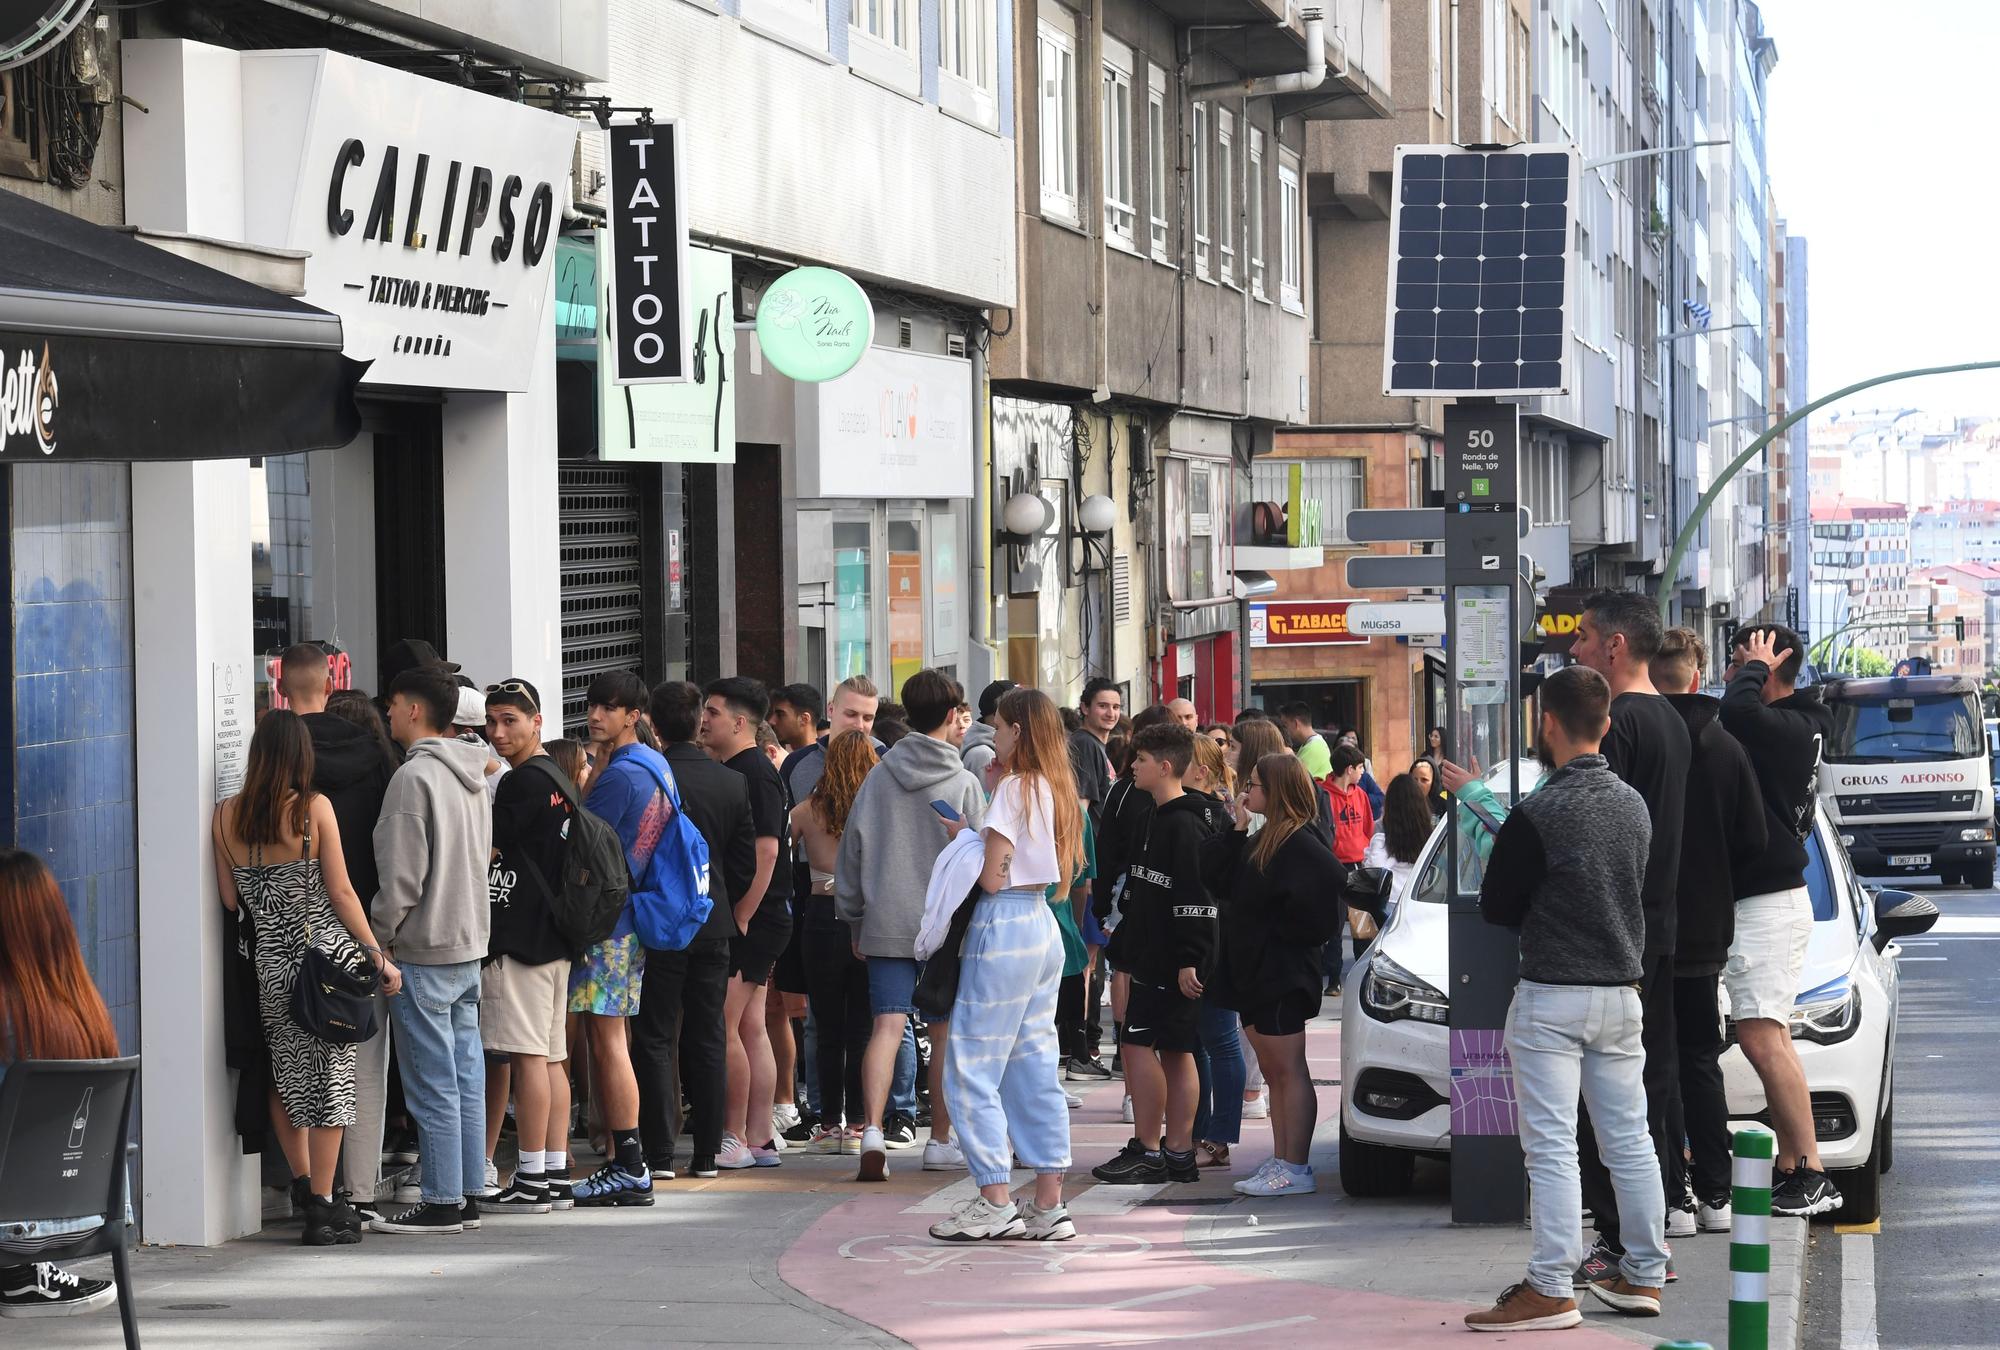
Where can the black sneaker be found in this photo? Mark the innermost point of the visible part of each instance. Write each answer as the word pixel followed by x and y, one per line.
pixel 899 1131
pixel 613 1185
pixel 45 1289
pixel 420 1219
pixel 300 1192
pixel 703 1166
pixel 364 1211
pixel 468 1214
pixel 1132 1167
pixel 520 1196
pixel 661 1171
pixel 1086 1069
pixel 400 1148
pixel 560 1196
pixel 1600 1264
pixel 1180 1166
pixel 802 1133
pixel 326 1224
pixel 1802 1193
pixel 349 1218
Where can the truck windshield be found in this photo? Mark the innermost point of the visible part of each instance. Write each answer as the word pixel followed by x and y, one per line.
pixel 1906 730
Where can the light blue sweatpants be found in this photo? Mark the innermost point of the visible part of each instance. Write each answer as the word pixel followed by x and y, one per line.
pixel 1001 1064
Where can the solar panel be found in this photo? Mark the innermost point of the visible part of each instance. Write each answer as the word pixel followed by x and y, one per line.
pixel 1479 271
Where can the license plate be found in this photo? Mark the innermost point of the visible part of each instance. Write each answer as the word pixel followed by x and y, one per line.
pixel 1909 860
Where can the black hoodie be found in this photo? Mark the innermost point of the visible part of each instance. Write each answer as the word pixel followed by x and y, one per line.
pixel 1722 836
pixel 1274 922
pixel 351 772
pixel 1784 740
pixel 1169 921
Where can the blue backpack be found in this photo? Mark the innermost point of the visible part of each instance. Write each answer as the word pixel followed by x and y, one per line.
pixel 670 900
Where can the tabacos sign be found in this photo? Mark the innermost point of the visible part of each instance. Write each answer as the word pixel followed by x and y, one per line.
pixel 29 398
pixel 1302 623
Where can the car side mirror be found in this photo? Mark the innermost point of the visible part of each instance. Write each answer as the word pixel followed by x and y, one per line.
pixel 1902 914
pixel 1368 890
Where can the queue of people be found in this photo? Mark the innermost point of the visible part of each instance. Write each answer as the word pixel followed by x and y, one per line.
pixel 726 889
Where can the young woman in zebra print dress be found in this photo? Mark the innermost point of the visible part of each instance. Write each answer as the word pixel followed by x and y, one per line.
pixel 278 855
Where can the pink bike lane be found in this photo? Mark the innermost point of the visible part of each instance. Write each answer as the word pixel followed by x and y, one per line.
pixel 1134 1275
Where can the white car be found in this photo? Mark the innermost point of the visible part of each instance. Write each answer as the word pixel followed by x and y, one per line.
pixel 1394 1059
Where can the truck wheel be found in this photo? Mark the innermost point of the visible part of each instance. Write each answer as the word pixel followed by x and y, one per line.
pixel 1948 877
pixel 1981 877
pixel 1369 1171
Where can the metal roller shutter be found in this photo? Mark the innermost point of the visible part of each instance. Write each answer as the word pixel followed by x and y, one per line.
pixel 602 589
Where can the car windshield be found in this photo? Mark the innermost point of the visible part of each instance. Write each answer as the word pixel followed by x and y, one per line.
pixel 1906 730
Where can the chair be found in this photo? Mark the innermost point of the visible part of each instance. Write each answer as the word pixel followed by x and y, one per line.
pixel 65 1138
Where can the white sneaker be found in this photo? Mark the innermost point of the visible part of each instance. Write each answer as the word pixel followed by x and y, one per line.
pixel 1260 1109
pixel 1074 1102
pixel 403 1186
pixel 1278 1181
pixel 734 1154
pixel 491 1187
pixel 978 1220
pixel 1045 1225
pixel 784 1118
pixel 1125 1111
pixel 827 1140
pixel 1680 1222
pixel 940 1156
pixel 874 1156
pixel 1714 1218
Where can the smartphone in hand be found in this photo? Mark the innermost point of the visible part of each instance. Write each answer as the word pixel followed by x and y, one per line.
pixel 944 809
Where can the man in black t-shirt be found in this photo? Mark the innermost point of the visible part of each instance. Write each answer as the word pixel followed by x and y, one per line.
pixel 1618 635
pixel 731 710
pixel 524 985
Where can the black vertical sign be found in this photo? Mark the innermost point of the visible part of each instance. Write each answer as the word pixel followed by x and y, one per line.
pixel 646 315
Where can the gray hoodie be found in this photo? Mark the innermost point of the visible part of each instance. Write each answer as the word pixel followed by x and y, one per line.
pixel 433 843
pixel 978 749
pixel 892 838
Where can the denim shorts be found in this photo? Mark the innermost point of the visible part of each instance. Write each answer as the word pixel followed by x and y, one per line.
pixel 892 984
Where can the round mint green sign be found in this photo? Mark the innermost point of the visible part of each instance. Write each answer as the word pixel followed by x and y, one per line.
pixel 814 323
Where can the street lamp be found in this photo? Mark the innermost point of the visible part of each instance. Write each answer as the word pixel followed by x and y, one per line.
pixel 1680 333
pixel 1609 160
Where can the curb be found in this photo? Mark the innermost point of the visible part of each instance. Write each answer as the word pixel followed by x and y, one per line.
pixel 1788 1283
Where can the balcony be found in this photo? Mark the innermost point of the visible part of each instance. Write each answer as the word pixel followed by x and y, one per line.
pixel 1272 42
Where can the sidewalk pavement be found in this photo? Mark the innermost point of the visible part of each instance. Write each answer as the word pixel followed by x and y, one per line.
pixel 803 1256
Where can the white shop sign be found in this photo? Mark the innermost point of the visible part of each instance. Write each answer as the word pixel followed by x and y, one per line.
pixel 430 212
pixel 898 425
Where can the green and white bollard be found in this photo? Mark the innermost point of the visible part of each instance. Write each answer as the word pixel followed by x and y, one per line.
pixel 1750 1242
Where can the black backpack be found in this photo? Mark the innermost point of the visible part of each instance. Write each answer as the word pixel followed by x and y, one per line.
pixel 595 882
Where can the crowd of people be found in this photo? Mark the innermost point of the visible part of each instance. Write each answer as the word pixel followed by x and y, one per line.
pixel 863 918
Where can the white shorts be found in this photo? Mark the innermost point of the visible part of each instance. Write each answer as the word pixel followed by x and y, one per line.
pixel 522 1008
pixel 1768 954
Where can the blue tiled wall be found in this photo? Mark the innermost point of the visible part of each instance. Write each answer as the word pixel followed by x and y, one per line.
pixel 74 774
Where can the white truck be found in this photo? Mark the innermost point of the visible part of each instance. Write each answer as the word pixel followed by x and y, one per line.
pixel 1907 779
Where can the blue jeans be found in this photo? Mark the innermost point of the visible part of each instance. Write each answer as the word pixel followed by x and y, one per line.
pixel 903 1087
pixel 444 1075
pixel 1002 1072
pixel 1218 1114
pixel 1566 1041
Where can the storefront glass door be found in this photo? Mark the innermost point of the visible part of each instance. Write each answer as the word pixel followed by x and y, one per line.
pixel 853 597
pixel 906 601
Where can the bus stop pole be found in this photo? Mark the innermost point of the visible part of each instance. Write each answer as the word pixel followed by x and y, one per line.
pixel 1482 637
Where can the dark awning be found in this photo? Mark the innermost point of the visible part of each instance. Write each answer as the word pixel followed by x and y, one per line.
pixel 111 349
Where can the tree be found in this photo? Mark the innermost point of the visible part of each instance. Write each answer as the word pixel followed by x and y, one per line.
pixel 1865 663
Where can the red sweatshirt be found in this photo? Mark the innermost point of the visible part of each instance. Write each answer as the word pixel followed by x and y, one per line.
pixel 1353 823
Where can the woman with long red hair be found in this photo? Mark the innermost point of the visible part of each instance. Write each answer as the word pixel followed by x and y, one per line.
pixel 49 1009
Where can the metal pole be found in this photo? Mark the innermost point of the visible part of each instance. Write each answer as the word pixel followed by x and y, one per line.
pixel 1751 451
pixel 1750 1242
pixel 1656 151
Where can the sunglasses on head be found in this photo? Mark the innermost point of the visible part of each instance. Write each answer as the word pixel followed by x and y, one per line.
pixel 515 687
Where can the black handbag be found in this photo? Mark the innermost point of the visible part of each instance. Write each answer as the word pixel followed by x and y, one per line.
pixel 937 987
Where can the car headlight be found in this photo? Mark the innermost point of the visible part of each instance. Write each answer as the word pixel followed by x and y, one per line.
pixel 1828 1015
pixel 1978 834
pixel 1391 994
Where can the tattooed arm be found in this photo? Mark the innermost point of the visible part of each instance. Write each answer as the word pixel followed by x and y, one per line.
pixel 997 874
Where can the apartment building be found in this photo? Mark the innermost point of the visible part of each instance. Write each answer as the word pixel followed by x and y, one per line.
pixel 1160 336
pixel 1861 572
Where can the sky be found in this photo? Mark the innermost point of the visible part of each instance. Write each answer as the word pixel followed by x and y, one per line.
pixel 1880 153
